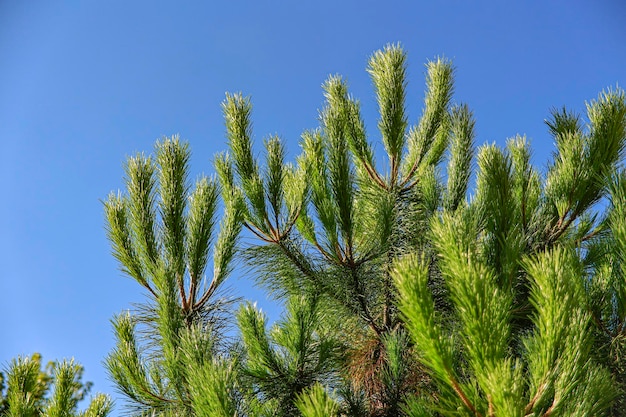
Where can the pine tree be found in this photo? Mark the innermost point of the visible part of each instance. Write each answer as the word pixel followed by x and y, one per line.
pixel 27 391
pixel 492 268
pixel 333 225
pixel 162 232
pixel 298 353
pixel 403 295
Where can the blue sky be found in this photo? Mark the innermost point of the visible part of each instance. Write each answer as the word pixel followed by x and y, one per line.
pixel 85 84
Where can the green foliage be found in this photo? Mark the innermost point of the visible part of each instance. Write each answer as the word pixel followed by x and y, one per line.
pixel 403 296
pixel 352 220
pixel 527 320
pixel 212 385
pixel 296 353
pixel 162 232
pixel 461 153
pixel 315 402
pixel 54 391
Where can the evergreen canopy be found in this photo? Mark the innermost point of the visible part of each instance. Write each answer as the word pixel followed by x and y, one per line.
pixel 403 295
pixel 25 390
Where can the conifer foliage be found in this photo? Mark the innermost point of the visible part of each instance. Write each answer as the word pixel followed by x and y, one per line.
pixel 27 390
pixel 403 295
pixel 162 233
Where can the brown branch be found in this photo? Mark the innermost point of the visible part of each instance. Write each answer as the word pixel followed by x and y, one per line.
pixel 550 410
pixel 326 254
pixel 491 412
pixel 276 230
pixel 258 233
pixel 207 294
pixel 410 174
pixel 148 392
pixel 291 223
pixel 589 235
pixel 532 402
pixel 149 288
pixel 394 171
pixel 192 288
pixel 181 289
pixel 406 188
pixel 561 225
pixel 269 226
pixel 341 253
pixel 565 225
pixel 373 174
pixel 275 234
pixel 457 388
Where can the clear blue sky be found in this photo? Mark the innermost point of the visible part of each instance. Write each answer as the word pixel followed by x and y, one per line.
pixel 84 84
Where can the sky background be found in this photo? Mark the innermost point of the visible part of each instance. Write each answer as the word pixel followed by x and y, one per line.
pixel 85 84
